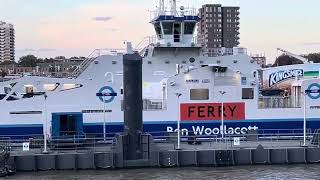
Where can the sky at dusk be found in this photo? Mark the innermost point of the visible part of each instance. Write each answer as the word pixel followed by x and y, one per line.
pixel 48 28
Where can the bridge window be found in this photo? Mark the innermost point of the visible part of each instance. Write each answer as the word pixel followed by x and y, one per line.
pixel 167 27
pixel 189 27
pixel 199 94
pixel 157 27
pixel 247 93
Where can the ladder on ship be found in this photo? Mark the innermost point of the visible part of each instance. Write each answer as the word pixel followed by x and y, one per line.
pixel 83 66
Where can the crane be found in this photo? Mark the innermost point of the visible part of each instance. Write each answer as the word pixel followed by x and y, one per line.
pixel 304 60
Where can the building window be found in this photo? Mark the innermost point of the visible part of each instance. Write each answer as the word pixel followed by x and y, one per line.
pixel 199 94
pixel 247 93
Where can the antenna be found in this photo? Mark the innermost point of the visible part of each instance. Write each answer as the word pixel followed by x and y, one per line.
pixel 174 7
pixel 161 7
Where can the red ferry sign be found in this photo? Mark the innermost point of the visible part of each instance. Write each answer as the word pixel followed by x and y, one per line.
pixel 212 111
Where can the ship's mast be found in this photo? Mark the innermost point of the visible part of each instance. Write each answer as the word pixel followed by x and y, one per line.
pixel 173 7
pixel 162 8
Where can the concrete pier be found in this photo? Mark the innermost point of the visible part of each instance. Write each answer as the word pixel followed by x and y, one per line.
pixel 170 158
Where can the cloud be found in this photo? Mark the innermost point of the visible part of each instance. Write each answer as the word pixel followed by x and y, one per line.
pixel 111 29
pixel 36 50
pixel 102 18
pixel 311 44
pixel 78 28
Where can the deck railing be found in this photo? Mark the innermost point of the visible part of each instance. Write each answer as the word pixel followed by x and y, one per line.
pixel 94 55
pixel 277 102
pixel 168 140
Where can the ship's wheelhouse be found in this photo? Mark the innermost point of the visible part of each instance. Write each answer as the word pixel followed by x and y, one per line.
pixel 172 30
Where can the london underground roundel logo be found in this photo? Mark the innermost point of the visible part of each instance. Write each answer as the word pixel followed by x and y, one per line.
pixel 314 87
pixel 106 89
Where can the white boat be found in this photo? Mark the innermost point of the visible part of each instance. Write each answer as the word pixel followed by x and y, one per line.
pixel 173 62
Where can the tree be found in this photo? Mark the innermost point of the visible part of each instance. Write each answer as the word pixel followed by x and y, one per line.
pixel 28 61
pixel 315 57
pixel 50 60
pixel 60 57
pixel 284 60
pixel 3 73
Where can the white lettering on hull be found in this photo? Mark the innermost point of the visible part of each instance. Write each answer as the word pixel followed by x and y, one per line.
pixel 202 130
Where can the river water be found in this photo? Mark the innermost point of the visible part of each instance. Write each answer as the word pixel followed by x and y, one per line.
pixel 190 173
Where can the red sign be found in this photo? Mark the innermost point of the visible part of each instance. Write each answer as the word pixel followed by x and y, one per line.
pixel 212 111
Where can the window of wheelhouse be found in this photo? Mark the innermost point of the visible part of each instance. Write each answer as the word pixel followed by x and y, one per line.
pixel 157 28
pixel 167 28
pixel 176 32
pixel 189 27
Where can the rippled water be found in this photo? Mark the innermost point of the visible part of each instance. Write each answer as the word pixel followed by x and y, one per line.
pixel 239 172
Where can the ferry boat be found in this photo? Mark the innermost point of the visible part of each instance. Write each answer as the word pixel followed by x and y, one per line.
pixel 180 83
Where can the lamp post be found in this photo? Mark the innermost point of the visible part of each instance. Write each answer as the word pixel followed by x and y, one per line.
pixel 104 117
pixel 304 118
pixel 178 119
pixel 222 115
pixel 45 124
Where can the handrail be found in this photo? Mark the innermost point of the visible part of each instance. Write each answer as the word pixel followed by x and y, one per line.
pixel 95 142
pixel 93 56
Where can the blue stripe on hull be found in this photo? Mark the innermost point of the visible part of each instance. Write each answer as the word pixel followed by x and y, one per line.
pixel 20 130
pixel 97 128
